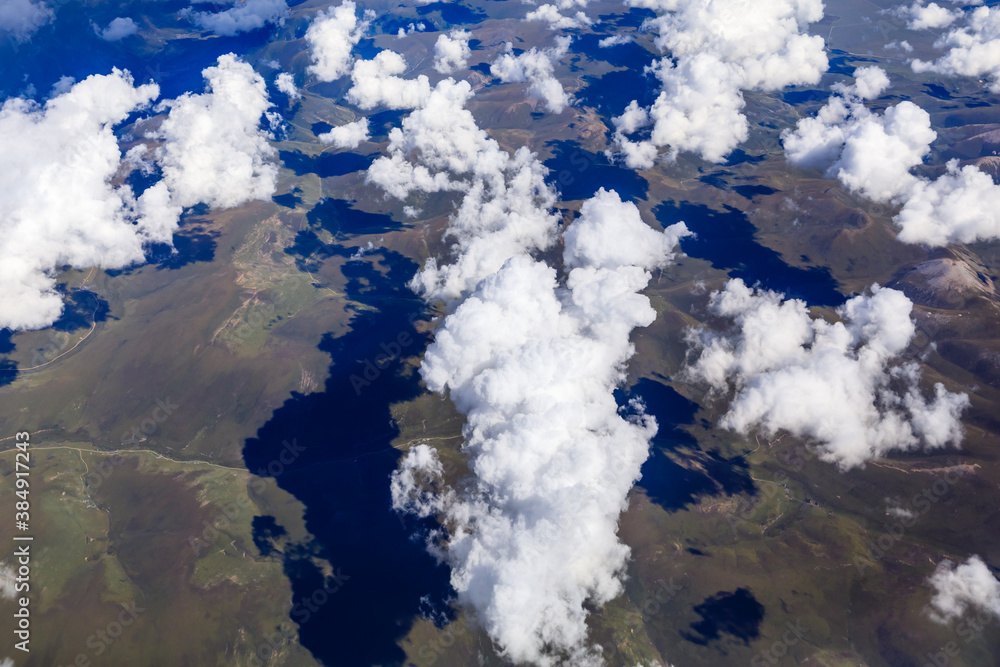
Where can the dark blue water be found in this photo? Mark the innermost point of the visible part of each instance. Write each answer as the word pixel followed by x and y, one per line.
pixel 326 165
pixel 633 18
pixel 806 96
pixel 727 240
pixel 81 309
pixel 343 476
pixel 737 614
pixel 610 93
pixel 339 218
pixel 667 483
pixel 68 47
pixel 842 62
pixel 578 173
pixel 380 123
pixel 8 368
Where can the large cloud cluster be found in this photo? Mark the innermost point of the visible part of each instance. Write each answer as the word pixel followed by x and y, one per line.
pixel 717 49
pixel 331 37
pixel 838 384
pixel 62 199
pixel 973 50
pixel 243 16
pixel 532 361
pixel 535 67
pixel 958 589
pixel 873 154
pixel 58 205
pixel 533 366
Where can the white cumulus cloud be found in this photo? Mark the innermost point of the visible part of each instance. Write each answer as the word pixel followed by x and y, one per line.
pixel 836 384
pixel 532 359
pixel 451 51
pixel 331 37
pixel 717 49
pixel 532 362
pixel 117 30
pixel 62 199
pixel 214 150
pixel 873 155
pixel 58 205
pixel 505 208
pixel 921 16
pixel 556 19
pixel 243 16
pixel 347 136
pixel 285 82
pixel 377 82
pixel 973 49
pixel 535 66
pixel 959 588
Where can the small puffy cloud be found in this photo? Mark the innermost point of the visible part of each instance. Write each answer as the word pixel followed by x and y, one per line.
pixel 614 40
pixel 243 16
pixel 377 83
pixel 331 37
pixel 285 82
pixel 958 589
pixel 451 51
pixel 717 50
pixel 410 29
pixel 117 30
pixel 347 136
pixel 557 20
pixel 873 155
pixel 60 206
pixel 922 16
pixel 973 50
pixel 535 66
pixel 21 18
pixel 613 234
pixel 840 385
